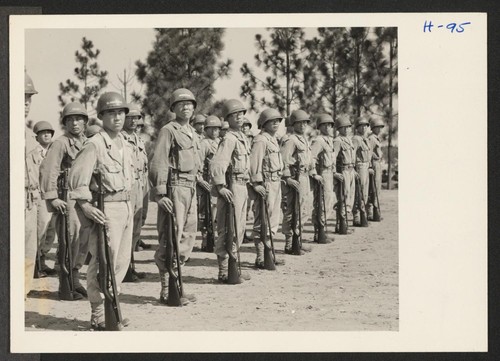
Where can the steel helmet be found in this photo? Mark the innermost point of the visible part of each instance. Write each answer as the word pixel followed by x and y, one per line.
pixel 298 116
pixel 181 95
pixel 74 108
pixel 225 125
pixel 361 120
pixel 199 119
pixel 266 115
pixel 342 121
pixel 42 125
pixel 213 121
pixel 232 106
pixel 92 130
pixel 134 110
pixel 376 122
pixel 29 87
pixel 324 119
pixel 109 101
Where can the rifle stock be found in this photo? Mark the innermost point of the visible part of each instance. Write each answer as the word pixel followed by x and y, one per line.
pixel 208 224
pixel 107 280
pixel 296 217
pixel 374 199
pixel 361 201
pixel 269 256
pixel 231 240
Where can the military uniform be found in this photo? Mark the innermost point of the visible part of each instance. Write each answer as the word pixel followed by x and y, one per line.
pixel 376 153
pixel 363 159
pixel 344 150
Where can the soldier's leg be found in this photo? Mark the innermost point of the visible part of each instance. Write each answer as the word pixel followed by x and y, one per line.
pixel 78 244
pixel 93 288
pixel 329 197
pixel 240 201
pixel 257 237
pixel 30 244
pixel 44 218
pixel 220 241
pixel 286 228
pixel 186 211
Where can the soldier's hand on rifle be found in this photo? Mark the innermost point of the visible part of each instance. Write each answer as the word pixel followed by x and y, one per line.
pixel 261 190
pixel 338 177
pixel 226 194
pixel 59 204
pixel 166 204
pixel 293 183
pixel 205 185
pixel 318 178
pixel 93 213
pixel 356 175
pixel 371 171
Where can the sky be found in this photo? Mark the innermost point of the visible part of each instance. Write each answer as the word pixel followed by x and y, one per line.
pixel 50 59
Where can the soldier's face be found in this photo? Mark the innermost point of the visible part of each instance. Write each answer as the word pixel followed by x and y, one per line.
pixel 184 110
pixel 113 119
pixel 130 124
pixel 326 129
pixel 199 128
pixel 376 130
pixel 361 129
pixel 44 137
pixel 235 120
pixel 27 104
pixel 212 132
pixel 75 124
pixel 300 127
pixel 272 126
pixel 222 133
pixel 245 128
pixel 343 131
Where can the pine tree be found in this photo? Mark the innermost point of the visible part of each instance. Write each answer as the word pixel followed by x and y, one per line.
pixel 181 58
pixel 90 80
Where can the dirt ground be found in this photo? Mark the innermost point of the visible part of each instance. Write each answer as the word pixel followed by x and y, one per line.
pixel 348 285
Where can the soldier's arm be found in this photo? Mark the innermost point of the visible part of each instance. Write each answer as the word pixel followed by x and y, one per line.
pixel 287 150
pixel 256 159
pixel 50 169
pixel 159 166
pixel 80 174
pixel 221 161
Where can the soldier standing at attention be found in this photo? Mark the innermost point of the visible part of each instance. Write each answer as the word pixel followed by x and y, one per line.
pixel 266 167
pixel 109 154
pixel 344 150
pixel 199 125
pixel 234 152
pixel 223 129
pixel 324 159
pixel 46 225
pixel 363 158
pixel 298 167
pixel 376 126
pixel 176 156
pixel 31 191
pixel 137 196
pixel 60 157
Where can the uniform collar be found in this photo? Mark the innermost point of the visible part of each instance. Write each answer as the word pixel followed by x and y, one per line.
pixel 74 141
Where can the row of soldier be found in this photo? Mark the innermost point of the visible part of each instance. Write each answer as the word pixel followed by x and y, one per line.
pixel 98 186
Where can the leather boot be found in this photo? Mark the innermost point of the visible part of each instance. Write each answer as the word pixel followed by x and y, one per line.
pixel 185 298
pixel 49 271
pixel 76 283
pixel 259 248
pixel 97 322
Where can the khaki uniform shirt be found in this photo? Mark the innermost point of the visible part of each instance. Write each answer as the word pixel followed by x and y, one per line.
pixel 375 146
pixel 100 153
pixel 208 148
pixel 323 154
pixel 343 147
pixel 140 156
pixel 233 150
pixel 362 149
pixel 177 150
pixel 296 151
pixel 266 162
pixel 31 182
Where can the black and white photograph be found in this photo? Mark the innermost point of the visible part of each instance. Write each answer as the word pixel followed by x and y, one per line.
pixel 233 175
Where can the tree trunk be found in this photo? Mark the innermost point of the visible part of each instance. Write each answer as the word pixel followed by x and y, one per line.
pixel 389 120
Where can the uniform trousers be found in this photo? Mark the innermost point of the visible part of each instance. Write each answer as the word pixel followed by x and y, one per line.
pixel 364 181
pixel 46 228
pixel 78 243
pixel 30 240
pixel 137 201
pixel 330 199
pixel 305 204
pixel 349 190
pixel 377 173
pixel 273 189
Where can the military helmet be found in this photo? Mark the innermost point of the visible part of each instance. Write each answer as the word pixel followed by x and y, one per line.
pixel 246 121
pixel 180 95
pixel 376 122
pixel 342 121
pixel 324 119
pixel 29 87
pixel 298 116
pixel 109 101
pixel 199 119
pixel 134 110
pixel 92 130
pixel 213 121
pixel 74 108
pixel 42 125
pixel 266 115
pixel 225 125
pixel 361 120
pixel 232 106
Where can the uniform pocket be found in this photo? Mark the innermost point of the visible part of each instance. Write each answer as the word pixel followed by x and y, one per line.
pixel 113 178
pixel 186 161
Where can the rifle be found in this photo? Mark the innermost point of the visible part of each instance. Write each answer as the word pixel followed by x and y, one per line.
pixel 360 200
pixel 373 194
pixel 64 254
pixel 269 255
pixel 107 281
pixel 175 287
pixel 296 216
pixel 320 236
pixel 231 239
pixel 207 224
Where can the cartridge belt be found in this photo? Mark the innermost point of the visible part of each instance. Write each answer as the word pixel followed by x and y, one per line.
pixel 240 178
pixel 117 196
pixel 272 176
pixel 347 166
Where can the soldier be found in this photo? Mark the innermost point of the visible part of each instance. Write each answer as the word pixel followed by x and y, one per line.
pixel 59 158
pixel 111 155
pixel 363 159
pixel 246 129
pixel 176 157
pixel 376 126
pixel 297 161
pixel 92 130
pixel 137 196
pixel 233 151
pixel 344 150
pixel 199 125
pixel 266 167
pixel 31 191
pixel 324 160
pixel 223 129
pixel 208 147
pixel 45 222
